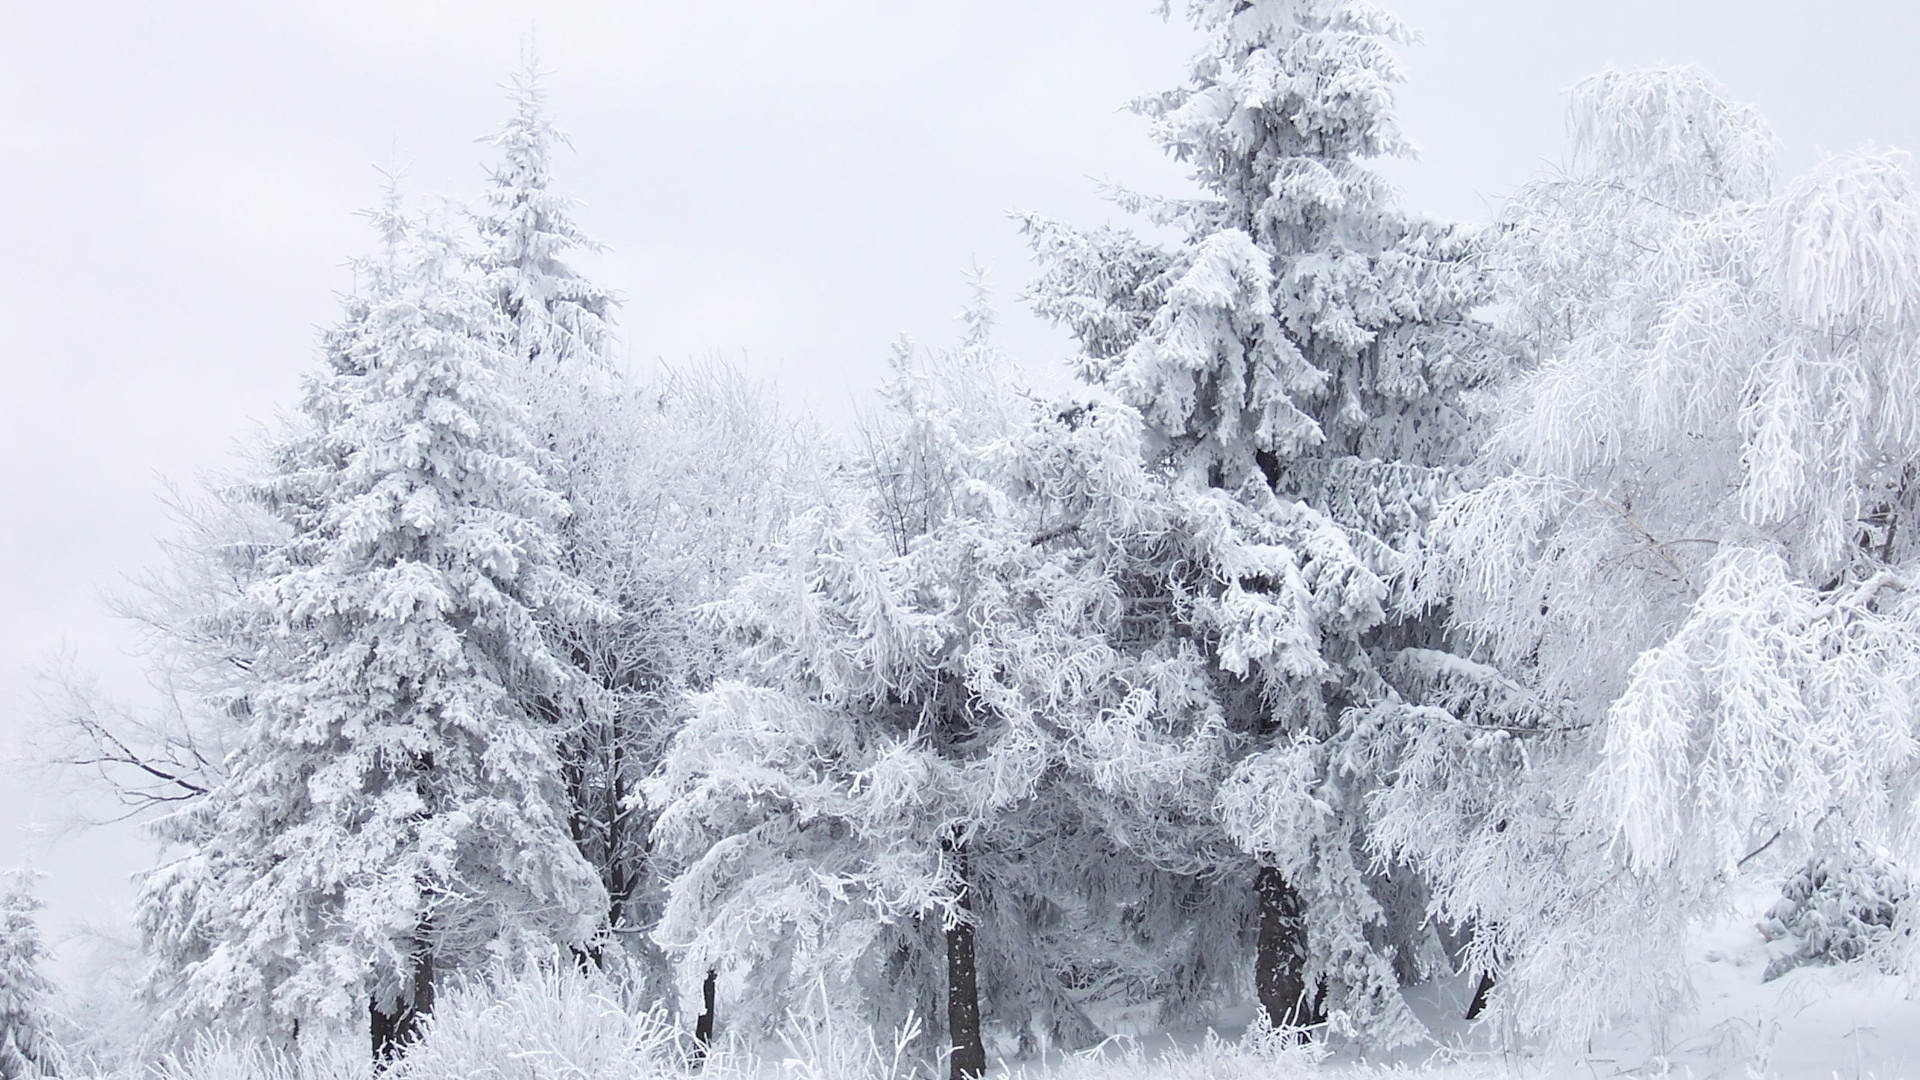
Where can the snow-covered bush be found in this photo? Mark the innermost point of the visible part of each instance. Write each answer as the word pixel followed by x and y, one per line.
pixel 1842 905
pixel 545 1021
pixel 223 1057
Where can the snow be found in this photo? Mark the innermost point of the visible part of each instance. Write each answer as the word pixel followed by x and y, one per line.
pixel 1398 613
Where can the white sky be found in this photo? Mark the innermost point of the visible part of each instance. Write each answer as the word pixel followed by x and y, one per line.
pixel 788 182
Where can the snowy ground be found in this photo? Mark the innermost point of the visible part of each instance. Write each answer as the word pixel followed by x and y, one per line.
pixel 1849 1022
pixel 1817 1023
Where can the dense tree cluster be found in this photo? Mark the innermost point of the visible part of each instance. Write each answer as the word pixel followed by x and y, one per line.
pixel 1391 601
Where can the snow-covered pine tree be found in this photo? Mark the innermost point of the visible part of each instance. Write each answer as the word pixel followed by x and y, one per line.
pixel 392 811
pixel 26 1045
pixel 560 336
pixel 673 488
pixel 1306 341
pixel 1689 592
pixel 559 364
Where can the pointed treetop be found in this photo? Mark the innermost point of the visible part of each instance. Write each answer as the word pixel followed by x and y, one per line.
pixel 559 318
pixel 1284 92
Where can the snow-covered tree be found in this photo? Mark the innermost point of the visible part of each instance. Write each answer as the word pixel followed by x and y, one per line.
pixel 1689 591
pixel 1305 341
pixel 560 337
pixel 985 694
pixel 391 810
pixel 26 1045
pixel 559 365
pixel 672 486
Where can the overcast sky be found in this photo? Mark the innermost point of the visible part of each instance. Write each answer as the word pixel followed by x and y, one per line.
pixel 787 183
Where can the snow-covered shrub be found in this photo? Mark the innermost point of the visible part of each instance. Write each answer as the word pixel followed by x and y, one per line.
pixel 1263 1053
pixel 1842 905
pixel 223 1057
pixel 546 1022
pixel 822 1046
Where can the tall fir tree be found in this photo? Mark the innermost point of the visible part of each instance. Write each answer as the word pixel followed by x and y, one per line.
pixel 392 812
pixel 1305 341
pixel 560 335
pixel 558 363
pixel 672 488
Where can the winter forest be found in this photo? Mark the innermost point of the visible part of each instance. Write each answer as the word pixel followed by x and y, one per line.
pixel 1394 647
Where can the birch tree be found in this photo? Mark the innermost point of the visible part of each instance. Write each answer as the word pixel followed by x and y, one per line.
pixel 1688 589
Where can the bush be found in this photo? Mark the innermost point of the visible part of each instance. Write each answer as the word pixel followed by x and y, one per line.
pixel 1841 906
pixel 546 1023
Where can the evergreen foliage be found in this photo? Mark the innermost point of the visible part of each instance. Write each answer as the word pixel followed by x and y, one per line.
pixel 391 809
pixel 26 1045
pixel 1312 349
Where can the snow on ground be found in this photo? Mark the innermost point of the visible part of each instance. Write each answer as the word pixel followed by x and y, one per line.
pixel 1821 1023
pixel 1850 1022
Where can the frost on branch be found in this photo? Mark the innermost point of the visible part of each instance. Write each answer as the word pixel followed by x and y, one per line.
pixel 1711 472
pixel 391 811
pixel 1843 905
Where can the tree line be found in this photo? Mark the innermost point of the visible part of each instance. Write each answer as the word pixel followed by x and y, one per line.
pixel 1391 599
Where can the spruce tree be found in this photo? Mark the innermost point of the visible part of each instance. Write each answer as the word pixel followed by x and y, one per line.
pixel 672 488
pixel 560 336
pixel 26 1046
pixel 1304 341
pixel 392 812
pixel 558 364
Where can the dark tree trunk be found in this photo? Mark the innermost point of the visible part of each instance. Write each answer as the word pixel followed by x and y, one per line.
pixel 1280 964
pixel 703 1025
pixel 969 1059
pixel 394 1028
pixel 1479 1004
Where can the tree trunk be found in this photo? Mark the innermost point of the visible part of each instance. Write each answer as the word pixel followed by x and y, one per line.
pixel 969 1059
pixel 703 1026
pixel 1279 974
pixel 393 1029
pixel 1479 1004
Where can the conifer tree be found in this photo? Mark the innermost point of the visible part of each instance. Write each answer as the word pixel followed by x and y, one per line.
pixel 671 488
pixel 560 337
pixel 558 363
pixel 26 1046
pixel 1308 342
pixel 391 812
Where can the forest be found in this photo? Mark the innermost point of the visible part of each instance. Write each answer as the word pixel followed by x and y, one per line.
pixel 1403 647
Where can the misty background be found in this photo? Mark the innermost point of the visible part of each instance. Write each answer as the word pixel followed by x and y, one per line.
pixel 789 186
